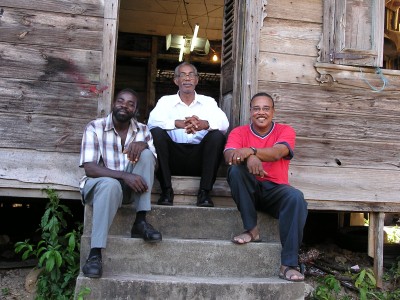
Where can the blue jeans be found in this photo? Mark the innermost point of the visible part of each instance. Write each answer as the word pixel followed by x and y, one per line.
pixel 281 201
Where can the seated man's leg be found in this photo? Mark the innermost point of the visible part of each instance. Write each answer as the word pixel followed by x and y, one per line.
pixel 212 147
pixel 166 149
pixel 161 142
pixel 145 168
pixel 211 152
pixel 244 189
pixel 288 205
pixel 105 196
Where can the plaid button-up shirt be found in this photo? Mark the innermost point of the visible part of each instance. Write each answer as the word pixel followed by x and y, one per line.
pixel 102 144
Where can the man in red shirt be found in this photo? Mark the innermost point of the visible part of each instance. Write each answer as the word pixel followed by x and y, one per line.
pixel 259 154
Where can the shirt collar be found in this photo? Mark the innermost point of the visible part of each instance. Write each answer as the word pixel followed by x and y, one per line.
pixel 179 100
pixel 262 136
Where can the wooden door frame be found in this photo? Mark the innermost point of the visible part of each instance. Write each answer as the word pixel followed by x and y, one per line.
pixel 109 54
pixel 250 15
pixel 254 14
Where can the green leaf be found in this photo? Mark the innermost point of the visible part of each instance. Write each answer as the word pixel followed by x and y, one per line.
pixel 50 264
pixel 372 278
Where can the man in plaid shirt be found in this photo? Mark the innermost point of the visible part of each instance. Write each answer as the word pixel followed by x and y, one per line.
pixel 119 159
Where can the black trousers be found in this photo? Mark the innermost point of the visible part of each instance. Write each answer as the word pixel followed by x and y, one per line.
pixel 188 159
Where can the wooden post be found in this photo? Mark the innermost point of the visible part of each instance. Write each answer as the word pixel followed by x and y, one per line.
pixel 254 18
pixel 375 244
pixel 152 75
pixel 108 65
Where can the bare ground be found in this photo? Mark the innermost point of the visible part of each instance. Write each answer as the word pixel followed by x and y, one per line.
pixel 19 283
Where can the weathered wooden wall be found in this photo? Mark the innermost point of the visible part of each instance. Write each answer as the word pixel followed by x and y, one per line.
pixel 348 146
pixel 51 54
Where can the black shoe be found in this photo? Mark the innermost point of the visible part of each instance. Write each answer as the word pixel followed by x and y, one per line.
pixel 204 199
pixel 93 267
pixel 166 197
pixel 146 231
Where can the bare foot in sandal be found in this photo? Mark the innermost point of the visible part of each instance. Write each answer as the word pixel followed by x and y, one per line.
pixel 290 274
pixel 248 236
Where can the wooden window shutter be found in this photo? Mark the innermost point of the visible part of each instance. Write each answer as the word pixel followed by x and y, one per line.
pixel 353 32
pixel 228 31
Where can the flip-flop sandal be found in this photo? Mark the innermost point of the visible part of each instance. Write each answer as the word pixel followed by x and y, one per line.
pixel 252 239
pixel 287 269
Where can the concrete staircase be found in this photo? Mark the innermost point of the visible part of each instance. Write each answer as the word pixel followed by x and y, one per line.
pixel 195 260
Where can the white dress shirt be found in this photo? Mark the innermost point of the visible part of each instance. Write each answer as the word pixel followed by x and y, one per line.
pixel 171 108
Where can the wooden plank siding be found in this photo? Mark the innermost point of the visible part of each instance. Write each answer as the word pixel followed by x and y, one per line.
pixel 348 143
pixel 72 7
pixel 50 88
pixel 347 156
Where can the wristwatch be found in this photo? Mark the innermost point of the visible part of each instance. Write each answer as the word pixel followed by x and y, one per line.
pixel 254 150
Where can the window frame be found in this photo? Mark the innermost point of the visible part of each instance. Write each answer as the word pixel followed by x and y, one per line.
pixel 339 46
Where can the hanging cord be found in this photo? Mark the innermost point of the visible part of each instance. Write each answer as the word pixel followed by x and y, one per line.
pixel 384 79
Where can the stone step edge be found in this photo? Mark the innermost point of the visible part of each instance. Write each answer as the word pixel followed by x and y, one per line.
pixel 190 279
pixel 172 239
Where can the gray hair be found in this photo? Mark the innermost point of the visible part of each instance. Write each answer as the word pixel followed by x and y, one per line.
pixel 176 73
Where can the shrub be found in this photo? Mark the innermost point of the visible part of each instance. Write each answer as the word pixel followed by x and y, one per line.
pixel 57 252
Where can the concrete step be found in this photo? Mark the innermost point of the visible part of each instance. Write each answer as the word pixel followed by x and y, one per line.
pixel 189 222
pixel 182 287
pixel 195 260
pixel 184 257
pixel 186 189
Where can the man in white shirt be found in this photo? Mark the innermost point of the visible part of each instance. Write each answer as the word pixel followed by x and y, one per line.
pixel 188 131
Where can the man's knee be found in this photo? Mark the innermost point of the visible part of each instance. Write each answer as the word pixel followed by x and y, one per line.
pixel 235 172
pixel 110 185
pixel 147 156
pixel 215 137
pixel 296 198
pixel 102 189
pixel 157 132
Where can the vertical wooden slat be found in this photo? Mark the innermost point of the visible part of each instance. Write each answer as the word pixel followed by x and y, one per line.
pixel 228 31
pixel 251 41
pixel 152 75
pixel 378 33
pixel 108 62
pixel 375 244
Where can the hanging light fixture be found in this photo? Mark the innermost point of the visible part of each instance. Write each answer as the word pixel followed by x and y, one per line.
pixel 214 58
pixel 182 49
pixel 193 43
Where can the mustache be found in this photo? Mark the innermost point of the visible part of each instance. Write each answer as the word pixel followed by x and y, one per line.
pixel 121 109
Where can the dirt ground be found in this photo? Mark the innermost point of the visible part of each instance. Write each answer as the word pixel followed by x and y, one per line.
pixel 12 283
pixel 18 283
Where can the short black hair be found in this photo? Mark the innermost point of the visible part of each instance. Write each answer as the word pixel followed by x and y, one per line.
pixel 263 94
pixel 128 90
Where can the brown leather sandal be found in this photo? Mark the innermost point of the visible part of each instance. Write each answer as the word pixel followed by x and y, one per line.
pixel 248 233
pixel 289 278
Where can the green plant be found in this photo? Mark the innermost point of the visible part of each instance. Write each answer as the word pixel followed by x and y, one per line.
pixel 83 292
pixel 365 281
pixel 5 291
pixel 57 252
pixel 394 272
pixel 393 234
pixel 392 276
pixel 328 289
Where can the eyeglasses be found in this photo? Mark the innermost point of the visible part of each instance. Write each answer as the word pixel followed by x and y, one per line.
pixel 184 75
pixel 257 109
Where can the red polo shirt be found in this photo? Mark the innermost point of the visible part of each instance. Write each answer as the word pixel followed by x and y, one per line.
pixel 245 136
